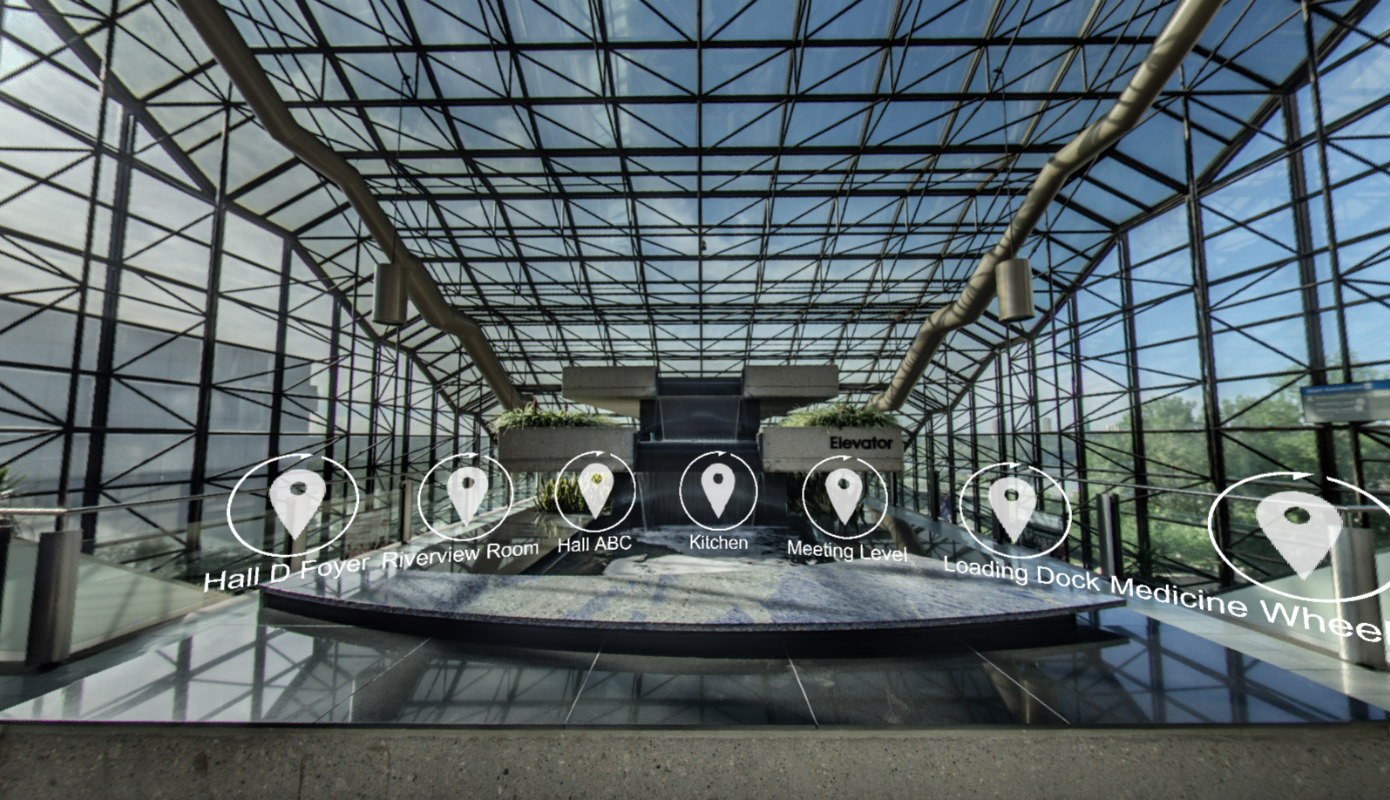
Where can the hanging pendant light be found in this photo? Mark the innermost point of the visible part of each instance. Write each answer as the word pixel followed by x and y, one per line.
pixel 1013 280
pixel 390 295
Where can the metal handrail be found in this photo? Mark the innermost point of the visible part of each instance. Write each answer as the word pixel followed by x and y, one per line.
pixel 59 513
pixel 84 510
pixel 1197 492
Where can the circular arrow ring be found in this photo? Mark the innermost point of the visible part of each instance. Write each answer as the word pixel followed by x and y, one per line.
pixel 420 497
pixel 561 474
pixel 807 506
pixel 680 490
pixel 960 510
pixel 356 504
pixel 1211 534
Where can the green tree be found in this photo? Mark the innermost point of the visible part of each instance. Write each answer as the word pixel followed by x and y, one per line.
pixel 1175 451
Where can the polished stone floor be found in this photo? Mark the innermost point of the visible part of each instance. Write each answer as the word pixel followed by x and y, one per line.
pixel 240 663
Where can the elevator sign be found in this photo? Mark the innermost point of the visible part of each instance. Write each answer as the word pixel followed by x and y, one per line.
pixel 1347 402
pixel 808 449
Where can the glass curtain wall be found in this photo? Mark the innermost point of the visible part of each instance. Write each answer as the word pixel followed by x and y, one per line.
pixel 179 299
pixel 1177 362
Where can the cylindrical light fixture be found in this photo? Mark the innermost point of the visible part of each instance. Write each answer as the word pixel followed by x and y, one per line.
pixel 390 295
pixel 1013 280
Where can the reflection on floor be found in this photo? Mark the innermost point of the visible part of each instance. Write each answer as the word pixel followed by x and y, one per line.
pixel 244 664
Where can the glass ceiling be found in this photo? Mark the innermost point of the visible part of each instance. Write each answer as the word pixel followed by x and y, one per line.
pixel 704 185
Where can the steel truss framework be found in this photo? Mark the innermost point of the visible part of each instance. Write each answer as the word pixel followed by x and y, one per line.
pixel 700 186
pixel 1176 365
pixel 158 337
pixel 696 185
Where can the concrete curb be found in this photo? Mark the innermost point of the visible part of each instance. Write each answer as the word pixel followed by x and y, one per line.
pixel 39 761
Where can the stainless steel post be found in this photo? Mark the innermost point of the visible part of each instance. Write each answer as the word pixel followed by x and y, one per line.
pixel 1354 573
pixel 193 538
pixel 6 534
pixel 934 494
pixel 55 598
pixel 406 509
pixel 1112 560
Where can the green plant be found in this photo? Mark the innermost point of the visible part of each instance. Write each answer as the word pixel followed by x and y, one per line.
pixel 571 500
pixel 533 416
pixel 9 479
pixel 839 416
pixel 1158 551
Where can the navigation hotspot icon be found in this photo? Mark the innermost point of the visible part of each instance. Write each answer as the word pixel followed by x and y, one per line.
pixel 845 488
pixel 718 481
pixel 296 497
pixel 596 483
pixel 1302 544
pixel 1301 526
pixel 467 487
pixel 1012 499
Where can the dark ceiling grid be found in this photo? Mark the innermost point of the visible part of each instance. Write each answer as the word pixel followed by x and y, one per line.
pixel 902 209
pixel 1211 177
pixel 115 87
pixel 168 142
pixel 559 202
pixel 795 56
pixel 889 347
pixel 391 157
pixel 427 64
pixel 700 232
pixel 885 227
pixel 605 53
pixel 1065 200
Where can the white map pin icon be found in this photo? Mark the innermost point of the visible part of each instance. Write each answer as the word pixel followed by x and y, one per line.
pixel 1302 544
pixel 295 510
pixel 467 488
pixel 845 488
pixel 595 484
pixel 718 483
pixel 1013 514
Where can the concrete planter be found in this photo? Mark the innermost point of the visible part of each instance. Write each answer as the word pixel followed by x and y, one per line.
pixel 548 449
pixel 800 449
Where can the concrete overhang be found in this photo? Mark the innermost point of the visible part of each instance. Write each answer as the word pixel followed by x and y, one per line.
pixel 782 388
pixel 617 389
pixel 778 389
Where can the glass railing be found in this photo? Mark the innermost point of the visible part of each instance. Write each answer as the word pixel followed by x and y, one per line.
pixel 65 590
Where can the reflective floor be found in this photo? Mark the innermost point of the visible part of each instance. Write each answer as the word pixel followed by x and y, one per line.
pixel 243 664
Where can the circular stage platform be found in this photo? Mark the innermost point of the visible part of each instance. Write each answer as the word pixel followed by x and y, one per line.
pixel 744 609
